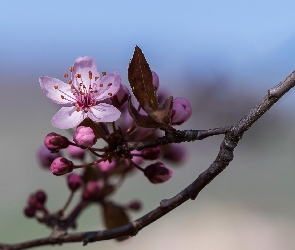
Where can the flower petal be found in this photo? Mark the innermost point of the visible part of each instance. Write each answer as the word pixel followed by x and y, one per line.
pixel 104 113
pixel 104 91
pixel 82 66
pixel 68 117
pixel 48 85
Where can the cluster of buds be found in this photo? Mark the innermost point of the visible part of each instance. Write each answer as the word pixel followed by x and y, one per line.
pixel 102 110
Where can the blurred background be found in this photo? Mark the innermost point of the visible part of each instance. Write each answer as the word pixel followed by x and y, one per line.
pixel 221 55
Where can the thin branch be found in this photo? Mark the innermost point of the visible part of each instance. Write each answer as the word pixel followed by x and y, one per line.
pixel 225 156
pixel 177 137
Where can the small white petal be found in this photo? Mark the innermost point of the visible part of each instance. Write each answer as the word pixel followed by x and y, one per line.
pixel 68 117
pixel 104 91
pixel 82 66
pixel 47 84
pixel 104 113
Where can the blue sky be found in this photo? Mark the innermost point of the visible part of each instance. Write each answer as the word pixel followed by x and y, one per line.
pixel 242 38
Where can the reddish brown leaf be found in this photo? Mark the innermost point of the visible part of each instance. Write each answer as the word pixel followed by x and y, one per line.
pixel 141 81
pixel 115 216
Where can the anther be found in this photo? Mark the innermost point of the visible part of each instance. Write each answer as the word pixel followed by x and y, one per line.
pixel 103 73
pixel 78 75
pixel 96 78
pixel 90 74
pixel 110 84
pixel 110 94
pixel 71 69
pixel 70 81
pixel 66 75
pixel 62 97
pixel 56 87
pixel 101 85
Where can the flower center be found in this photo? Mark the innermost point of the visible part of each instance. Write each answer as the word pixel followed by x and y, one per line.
pixel 85 94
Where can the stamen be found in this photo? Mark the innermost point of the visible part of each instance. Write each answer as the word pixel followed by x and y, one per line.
pixel 103 73
pixel 90 75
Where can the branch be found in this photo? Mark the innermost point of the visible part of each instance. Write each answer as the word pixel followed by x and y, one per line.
pixel 177 137
pixel 232 136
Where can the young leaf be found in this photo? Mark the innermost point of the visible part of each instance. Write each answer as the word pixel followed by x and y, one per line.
pixel 115 216
pixel 142 120
pixel 141 81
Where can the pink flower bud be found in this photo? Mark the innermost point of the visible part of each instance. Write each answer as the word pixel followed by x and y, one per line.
pixel 174 152
pixel 106 166
pixel 41 196
pixel 151 153
pixel 54 142
pixel 46 157
pixel 120 97
pixel 93 190
pixel 156 80
pixel 76 152
pixel 84 137
pixel 134 205
pixel 30 212
pixel 136 159
pixel 181 111
pixel 61 166
pixel 157 173
pixel 74 182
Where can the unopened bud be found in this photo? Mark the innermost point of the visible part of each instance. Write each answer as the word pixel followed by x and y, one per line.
pixel 120 97
pixel 41 196
pixel 76 152
pixel 134 205
pixel 54 142
pixel 157 173
pixel 74 182
pixel 136 158
pixel 61 166
pixel 106 166
pixel 156 81
pixel 84 137
pixel 93 190
pixel 181 111
pixel 151 153
pixel 46 157
pixel 30 212
pixel 174 152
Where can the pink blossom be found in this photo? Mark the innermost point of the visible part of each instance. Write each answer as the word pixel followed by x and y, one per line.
pixel 181 111
pixel 85 91
pixel 84 137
